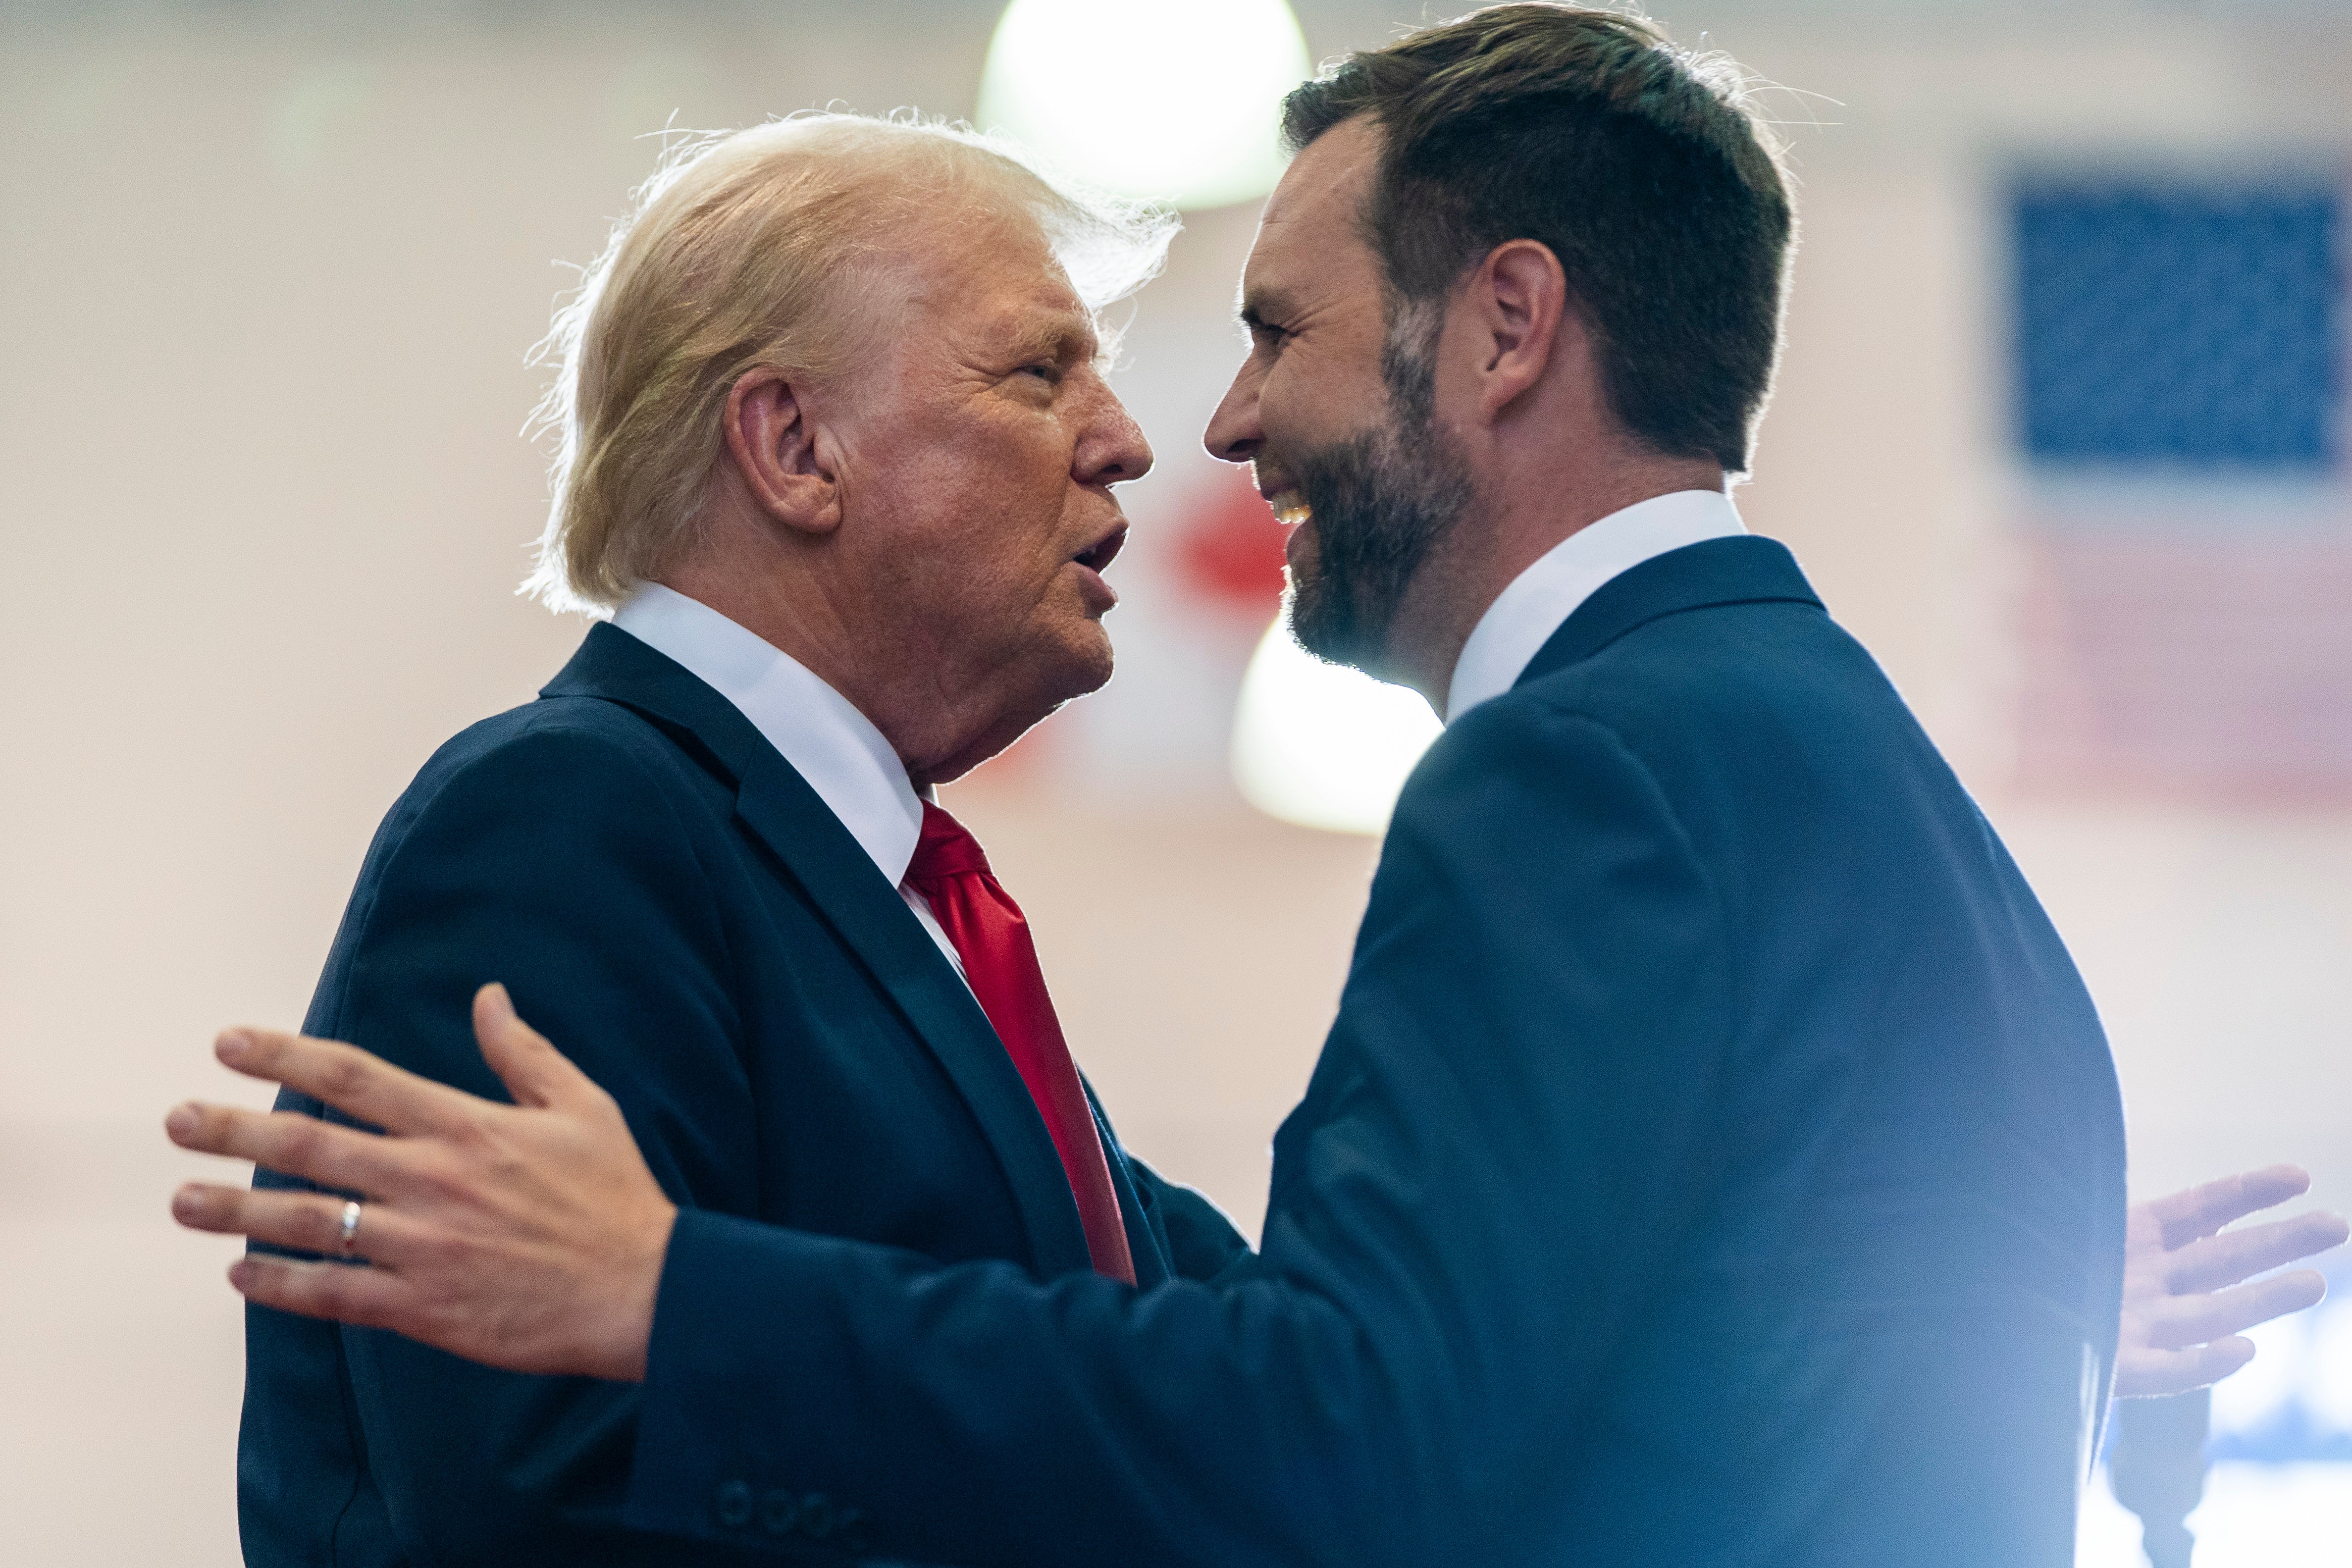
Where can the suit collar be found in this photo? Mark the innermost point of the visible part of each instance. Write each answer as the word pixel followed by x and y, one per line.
pixel 617 667
pixel 846 760
pixel 1736 571
pixel 1540 599
pixel 778 807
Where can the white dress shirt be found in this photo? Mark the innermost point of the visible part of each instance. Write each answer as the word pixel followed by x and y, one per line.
pixel 1540 599
pixel 828 742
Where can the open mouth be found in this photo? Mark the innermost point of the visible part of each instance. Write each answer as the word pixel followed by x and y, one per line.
pixel 1099 555
pixel 1290 508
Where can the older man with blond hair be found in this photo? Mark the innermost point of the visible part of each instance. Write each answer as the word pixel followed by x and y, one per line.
pixel 837 457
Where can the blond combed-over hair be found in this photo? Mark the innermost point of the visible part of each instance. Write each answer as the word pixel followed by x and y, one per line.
pixel 758 249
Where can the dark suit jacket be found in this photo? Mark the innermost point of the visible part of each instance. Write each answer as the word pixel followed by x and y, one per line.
pixel 665 896
pixel 1716 1160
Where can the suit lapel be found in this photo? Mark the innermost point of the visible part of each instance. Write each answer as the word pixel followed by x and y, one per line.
pixel 1740 570
pixel 1151 1264
pixel 779 809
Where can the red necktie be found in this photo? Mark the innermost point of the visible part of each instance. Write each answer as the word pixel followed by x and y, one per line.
pixel 1000 963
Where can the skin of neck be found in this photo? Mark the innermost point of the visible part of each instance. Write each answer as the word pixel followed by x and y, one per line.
pixel 796 591
pixel 784 586
pixel 1518 388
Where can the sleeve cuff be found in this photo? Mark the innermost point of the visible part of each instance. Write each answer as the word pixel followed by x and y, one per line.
pixel 704 1466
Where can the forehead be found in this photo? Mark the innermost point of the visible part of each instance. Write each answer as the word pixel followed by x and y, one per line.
pixel 1310 239
pixel 993 277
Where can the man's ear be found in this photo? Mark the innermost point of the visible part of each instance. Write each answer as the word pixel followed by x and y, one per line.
pixel 772 441
pixel 1519 297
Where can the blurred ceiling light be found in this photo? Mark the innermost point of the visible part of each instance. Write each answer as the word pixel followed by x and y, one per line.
pixel 1321 746
pixel 1171 101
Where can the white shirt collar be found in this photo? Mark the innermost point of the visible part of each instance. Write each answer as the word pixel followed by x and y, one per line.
pixel 829 743
pixel 1540 599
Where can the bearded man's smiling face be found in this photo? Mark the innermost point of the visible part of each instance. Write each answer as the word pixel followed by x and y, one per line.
pixel 1334 406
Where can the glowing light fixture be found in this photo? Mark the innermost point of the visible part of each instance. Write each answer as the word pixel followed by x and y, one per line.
pixel 1324 746
pixel 1174 100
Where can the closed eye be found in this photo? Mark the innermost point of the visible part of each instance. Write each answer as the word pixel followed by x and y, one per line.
pixel 1265 335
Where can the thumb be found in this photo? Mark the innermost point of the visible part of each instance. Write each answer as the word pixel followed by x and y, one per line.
pixel 535 1073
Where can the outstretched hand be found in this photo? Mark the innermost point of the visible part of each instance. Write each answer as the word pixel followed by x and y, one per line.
pixel 528 1235
pixel 531 1235
pixel 2184 1306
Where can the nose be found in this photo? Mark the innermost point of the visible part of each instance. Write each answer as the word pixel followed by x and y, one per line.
pixel 1233 435
pixel 1114 449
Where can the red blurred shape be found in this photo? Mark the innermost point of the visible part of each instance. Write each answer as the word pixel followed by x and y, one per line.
pixel 1232 547
pixel 2209 666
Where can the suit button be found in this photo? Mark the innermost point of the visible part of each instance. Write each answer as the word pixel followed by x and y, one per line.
pixel 734 1505
pixel 816 1515
pixel 779 1511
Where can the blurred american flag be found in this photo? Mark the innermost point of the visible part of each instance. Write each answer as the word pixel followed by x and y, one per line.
pixel 2179 356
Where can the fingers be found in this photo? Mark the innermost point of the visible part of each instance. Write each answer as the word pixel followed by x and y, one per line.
pixel 2181 1217
pixel 297 1221
pixel 345 1077
pixel 2181 1321
pixel 295 1144
pixel 2152 1375
pixel 370 1297
pixel 535 1073
pixel 2210 1262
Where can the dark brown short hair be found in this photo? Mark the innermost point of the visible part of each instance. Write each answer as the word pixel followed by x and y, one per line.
pixel 1638 164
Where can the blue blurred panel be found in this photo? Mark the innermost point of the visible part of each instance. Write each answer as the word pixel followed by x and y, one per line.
pixel 2189 325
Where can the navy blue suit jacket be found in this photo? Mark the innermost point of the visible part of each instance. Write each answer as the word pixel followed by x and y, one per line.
pixel 662 893
pixel 1716 1160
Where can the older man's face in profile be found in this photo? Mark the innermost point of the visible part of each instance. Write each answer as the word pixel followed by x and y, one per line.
pixel 977 472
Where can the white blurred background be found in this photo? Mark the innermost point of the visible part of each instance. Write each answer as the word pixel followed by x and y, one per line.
pixel 270 274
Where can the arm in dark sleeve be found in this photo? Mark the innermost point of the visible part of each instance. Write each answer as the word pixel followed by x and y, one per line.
pixel 1486 1179
pixel 554 863
pixel 1201 1242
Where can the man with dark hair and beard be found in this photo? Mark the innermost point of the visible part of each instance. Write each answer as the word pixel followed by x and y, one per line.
pixel 1716 1158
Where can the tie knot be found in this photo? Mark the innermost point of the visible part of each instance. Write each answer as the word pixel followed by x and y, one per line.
pixel 947 848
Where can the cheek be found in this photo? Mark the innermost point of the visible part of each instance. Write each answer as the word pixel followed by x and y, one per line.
pixel 1313 398
pixel 992 581
pixel 1283 402
pixel 976 525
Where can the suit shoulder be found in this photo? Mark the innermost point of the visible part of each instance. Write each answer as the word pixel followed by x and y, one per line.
pixel 581 732
pixel 1756 700
pixel 584 744
pixel 1722 675
pixel 561 769
pixel 1523 724
pixel 534 803
pixel 1514 762
pixel 1716 654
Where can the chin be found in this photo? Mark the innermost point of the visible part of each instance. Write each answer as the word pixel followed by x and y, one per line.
pixel 1085 666
pixel 1097 677
pixel 1071 679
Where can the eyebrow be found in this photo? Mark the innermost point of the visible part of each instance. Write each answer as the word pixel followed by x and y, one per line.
pixel 1257 304
pixel 1062 339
